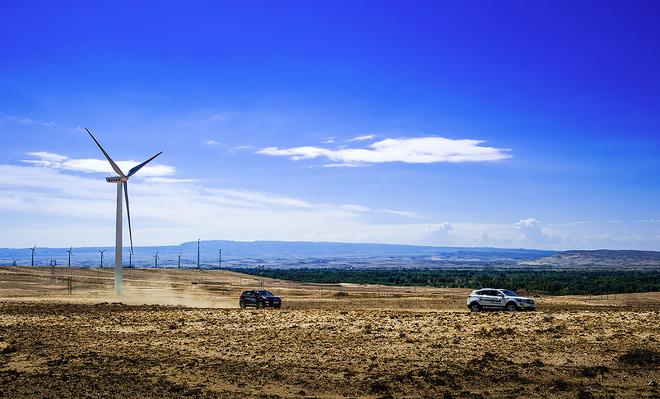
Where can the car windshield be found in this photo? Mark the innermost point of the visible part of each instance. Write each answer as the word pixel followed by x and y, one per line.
pixel 265 293
pixel 510 293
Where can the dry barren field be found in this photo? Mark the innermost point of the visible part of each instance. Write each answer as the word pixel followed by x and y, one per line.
pixel 180 333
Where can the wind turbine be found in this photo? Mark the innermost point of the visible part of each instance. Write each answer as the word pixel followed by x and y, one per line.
pixel 122 185
pixel 101 251
pixel 156 257
pixel 33 249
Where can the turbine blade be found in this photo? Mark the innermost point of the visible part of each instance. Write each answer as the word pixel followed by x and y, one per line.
pixel 112 163
pixel 128 213
pixel 135 169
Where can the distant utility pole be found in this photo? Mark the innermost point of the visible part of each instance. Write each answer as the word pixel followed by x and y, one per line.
pixel 33 249
pixel 261 280
pixel 156 257
pixel 198 264
pixel 69 281
pixel 101 251
pixel 219 259
pixel 178 263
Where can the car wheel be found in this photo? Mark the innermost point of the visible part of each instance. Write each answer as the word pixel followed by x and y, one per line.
pixel 511 307
pixel 260 305
pixel 475 307
pixel 242 305
pixel 278 306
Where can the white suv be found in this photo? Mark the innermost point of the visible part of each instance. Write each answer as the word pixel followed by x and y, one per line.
pixel 490 298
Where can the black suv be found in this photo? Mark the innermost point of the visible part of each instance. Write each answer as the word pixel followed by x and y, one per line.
pixel 259 299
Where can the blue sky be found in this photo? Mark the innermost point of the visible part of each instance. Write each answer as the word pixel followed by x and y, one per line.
pixel 509 124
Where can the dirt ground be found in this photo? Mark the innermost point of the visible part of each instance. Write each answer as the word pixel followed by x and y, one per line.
pixel 180 333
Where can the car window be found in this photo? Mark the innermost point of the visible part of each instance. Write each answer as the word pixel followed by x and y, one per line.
pixel 493 293
pixel 510 293
pixel 481 292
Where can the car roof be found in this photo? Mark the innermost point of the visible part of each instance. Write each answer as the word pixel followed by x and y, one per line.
pixel 490 289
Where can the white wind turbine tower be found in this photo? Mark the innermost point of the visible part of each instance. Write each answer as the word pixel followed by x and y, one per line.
pixel 122 185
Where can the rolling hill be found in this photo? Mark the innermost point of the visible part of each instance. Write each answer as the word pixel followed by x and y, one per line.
pixel 599 259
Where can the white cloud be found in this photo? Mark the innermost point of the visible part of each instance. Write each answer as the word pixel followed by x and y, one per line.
pixel 355 208
pixel 362 138
pixel 83 209
pixel 89 165
pixel 531 230
pixel 340 165
pixel 407 150
pixel 54 207
pixel 212 142
pixel 407 214
pixel 168 180
pixel 535 233
pixel 440 234
pixel 48 157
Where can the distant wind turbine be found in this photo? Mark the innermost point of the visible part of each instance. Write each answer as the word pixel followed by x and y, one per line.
pixel 33 249
pixel 101 251
pixel 122 183
pixel 69 251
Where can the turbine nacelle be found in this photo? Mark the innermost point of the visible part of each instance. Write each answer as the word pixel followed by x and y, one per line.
pixel 116 179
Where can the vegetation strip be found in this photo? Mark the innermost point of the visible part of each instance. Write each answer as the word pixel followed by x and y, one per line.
pixel 565 282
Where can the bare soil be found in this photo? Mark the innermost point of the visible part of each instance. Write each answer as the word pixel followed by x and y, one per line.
pixel 180 333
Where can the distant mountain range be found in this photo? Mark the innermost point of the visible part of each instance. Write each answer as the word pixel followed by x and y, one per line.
pixel 280 253
pixel 339 255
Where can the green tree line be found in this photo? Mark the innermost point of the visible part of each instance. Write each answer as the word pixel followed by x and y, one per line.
pixel 564 282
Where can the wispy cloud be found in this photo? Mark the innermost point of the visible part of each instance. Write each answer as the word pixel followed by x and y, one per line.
pixel 212 142
pixel 57 207
pixel 218 117
pixel 168 180
pixel 25 121
pixel 363 138
pixel 90 165
pixel 407 150
pixel 36 123
pixel 406 214
pixel 340 165
pixel 168 209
